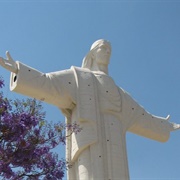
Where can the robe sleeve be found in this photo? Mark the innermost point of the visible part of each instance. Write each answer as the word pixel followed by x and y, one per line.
pixel 153 127
pixel 142 123
pixel 54 88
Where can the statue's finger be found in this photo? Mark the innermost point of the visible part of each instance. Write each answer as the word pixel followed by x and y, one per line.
pixel 9 56
pixel 168 117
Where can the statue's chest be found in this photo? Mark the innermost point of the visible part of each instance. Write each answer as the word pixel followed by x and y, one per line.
pixel 108 94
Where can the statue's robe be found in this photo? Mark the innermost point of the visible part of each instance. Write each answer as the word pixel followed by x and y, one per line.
pixel 104 111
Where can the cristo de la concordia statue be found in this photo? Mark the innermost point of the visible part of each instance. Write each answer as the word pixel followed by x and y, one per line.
pixel 88 96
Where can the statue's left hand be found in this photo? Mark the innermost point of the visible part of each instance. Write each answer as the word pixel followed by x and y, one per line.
pixel 9 63
pixel 172 126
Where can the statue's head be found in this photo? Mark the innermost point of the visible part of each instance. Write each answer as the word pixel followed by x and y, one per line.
pixel 99 53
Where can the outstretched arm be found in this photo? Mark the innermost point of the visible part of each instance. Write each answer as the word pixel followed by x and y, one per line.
pixel 153 127
pixel 141 122
pixel 9 63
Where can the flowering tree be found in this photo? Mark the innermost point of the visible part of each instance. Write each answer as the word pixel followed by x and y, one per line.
pixel 26 141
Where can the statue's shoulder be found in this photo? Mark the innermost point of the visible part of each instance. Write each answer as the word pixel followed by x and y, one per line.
pixel 80 69
pixel 121 90
pixel 82 73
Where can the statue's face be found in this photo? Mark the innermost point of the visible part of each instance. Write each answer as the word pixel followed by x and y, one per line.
pixel 102 54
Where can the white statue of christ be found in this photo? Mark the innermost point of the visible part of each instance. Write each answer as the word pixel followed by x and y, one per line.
pixel 88 96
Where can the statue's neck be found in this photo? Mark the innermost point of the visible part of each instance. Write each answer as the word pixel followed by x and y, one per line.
pixel 100 68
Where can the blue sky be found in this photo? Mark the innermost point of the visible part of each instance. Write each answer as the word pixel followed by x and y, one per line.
pixel 52 35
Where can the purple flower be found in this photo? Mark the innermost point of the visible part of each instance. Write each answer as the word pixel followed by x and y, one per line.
pixel 26 141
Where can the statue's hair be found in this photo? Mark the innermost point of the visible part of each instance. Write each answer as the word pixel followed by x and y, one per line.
pixel 88 59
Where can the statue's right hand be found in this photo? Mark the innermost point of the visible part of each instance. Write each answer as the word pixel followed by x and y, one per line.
pixel 9 63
